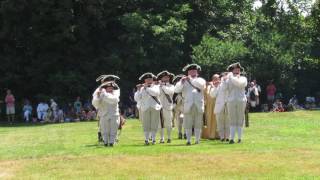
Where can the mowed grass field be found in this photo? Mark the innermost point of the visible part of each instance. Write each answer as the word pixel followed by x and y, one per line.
pixel 275 146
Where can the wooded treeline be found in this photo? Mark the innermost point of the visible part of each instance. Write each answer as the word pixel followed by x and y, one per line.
pixel 54 48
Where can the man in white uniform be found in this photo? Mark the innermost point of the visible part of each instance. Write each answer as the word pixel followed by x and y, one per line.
pixel 192 89
pixel 106 100
pixel 236 100
pixel 148 96
pixel 220 109
pixel 166 94
pixel 103 79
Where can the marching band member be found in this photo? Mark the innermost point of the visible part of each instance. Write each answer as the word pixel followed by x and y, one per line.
pixel 236 100
pixel 192 89
pixel 106 101
pixel 148 96
pixel 103 79
pixel 166 95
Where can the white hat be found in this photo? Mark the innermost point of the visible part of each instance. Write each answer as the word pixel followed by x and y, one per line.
pixel 146 76
pixel 110 77
pixel 165 73
pixel 191 67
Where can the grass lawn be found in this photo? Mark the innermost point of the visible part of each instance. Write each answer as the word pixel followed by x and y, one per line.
pixel 276 146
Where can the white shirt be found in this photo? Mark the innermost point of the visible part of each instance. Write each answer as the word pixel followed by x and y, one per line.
pixel 143 96
pixel 190 94
pixel 107 103
pixel 42 107
pixel 236 88
pixel 169 90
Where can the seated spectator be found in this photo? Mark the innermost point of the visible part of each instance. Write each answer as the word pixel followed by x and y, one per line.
pixel 49 116
pixel 27 111
pixel 87 105
pixel 69 113
pixel 88 114
pixel 60 116
pixel 91 115
pixel 278 106
pixel 310 102
pixel 42 110
pixel 293 104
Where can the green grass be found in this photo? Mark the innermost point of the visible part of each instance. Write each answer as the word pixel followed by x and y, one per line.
pixel 276 146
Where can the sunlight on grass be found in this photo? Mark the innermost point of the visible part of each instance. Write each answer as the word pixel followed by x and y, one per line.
pixel 276 145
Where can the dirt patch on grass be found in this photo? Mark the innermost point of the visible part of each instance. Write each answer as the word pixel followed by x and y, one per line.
pixel 172 166
pixel 8 169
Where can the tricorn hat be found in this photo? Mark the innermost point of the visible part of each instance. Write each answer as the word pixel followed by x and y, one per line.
pixel 191 67
pixel 177 78
pixel 165 73
pixel 146 76
pixel 235 65
pixel 105 78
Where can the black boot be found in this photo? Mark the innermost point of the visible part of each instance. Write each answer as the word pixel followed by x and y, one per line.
pixel 146 142
pixel 161 141
pixel 99 137
pixel 180 136
pixel 185 136
pixel 231 141
pixel 111 144
pixel 169 141
pixel 188 144
pixel 239 140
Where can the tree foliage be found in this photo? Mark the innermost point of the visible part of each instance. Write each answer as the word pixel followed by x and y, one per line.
pixel 58 48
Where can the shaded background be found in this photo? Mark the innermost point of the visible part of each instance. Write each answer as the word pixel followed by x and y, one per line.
pixel 56 49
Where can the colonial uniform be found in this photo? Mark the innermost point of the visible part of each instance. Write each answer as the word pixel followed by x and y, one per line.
pixel 166 95
pixel 192 90
pixel 148 96
pixel 104 79
pixel 107 104
pixel 220 110
pixel 236 101
pixel 178 108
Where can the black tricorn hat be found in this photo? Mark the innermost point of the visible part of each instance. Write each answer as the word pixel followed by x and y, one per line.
pixel 191 67
pixel 234 65
pixel 165 73
pixel 105 78
pixel 146 76
pixel 109 84
pixel 177 78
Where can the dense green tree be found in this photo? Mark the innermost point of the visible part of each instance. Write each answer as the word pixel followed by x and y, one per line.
pixel 51 48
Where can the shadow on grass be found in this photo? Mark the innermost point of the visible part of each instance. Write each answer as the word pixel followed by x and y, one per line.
pixel 94 146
